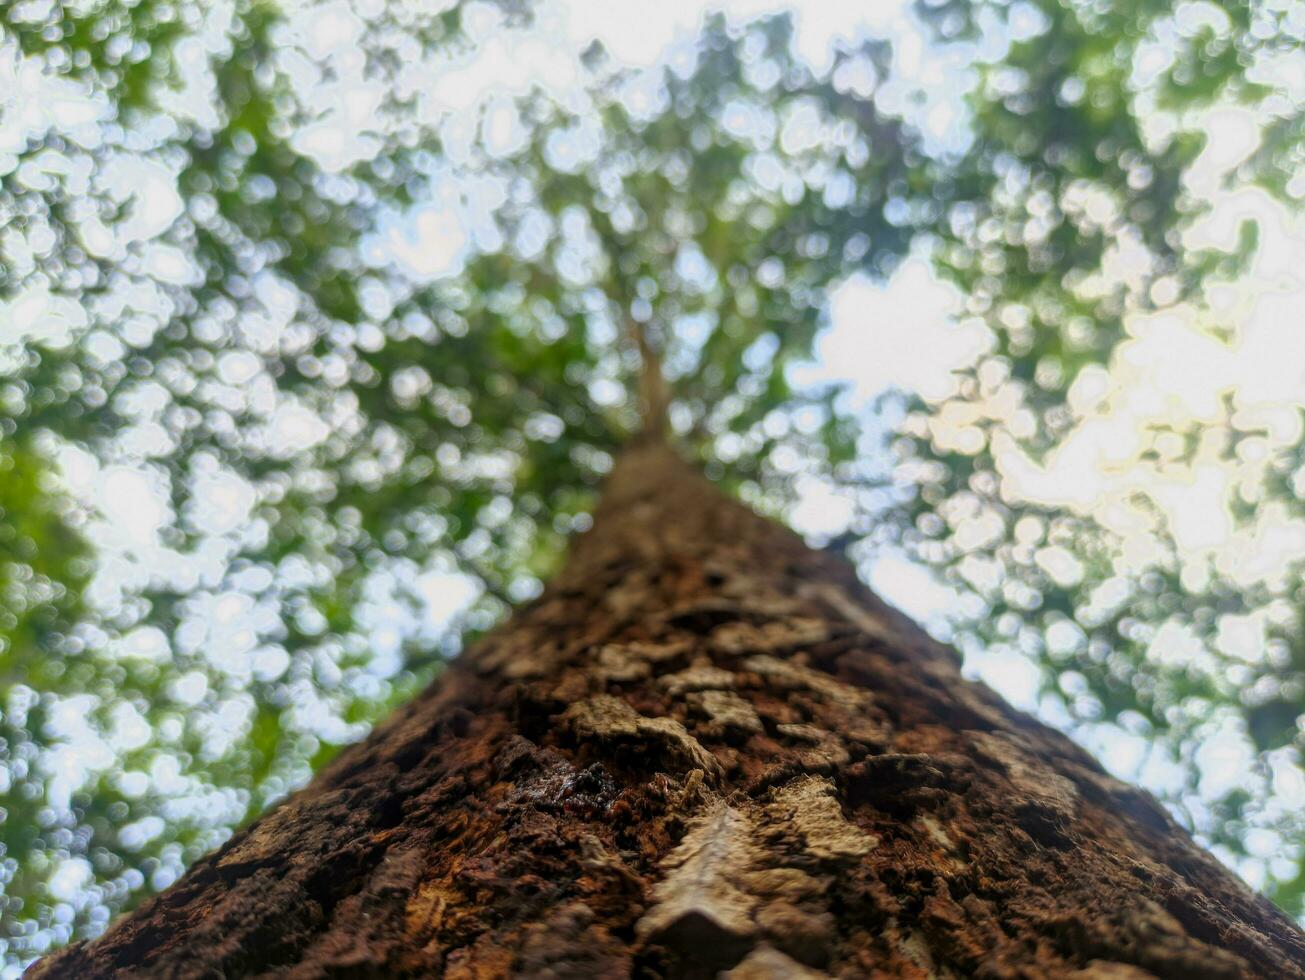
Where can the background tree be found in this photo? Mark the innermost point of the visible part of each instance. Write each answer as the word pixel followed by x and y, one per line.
pixel 209 284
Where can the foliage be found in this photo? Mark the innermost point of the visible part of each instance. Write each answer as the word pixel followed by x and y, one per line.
pixel 306 458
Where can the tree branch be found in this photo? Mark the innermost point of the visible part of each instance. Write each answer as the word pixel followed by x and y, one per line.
pixel 654 393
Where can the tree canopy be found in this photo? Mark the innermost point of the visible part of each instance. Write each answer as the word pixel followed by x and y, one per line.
pixel 307 373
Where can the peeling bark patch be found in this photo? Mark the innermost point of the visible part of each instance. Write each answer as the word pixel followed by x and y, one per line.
pixel 1026 773
pixel 773 636
pixel 726 712
pixel 702 677
pixel 699 902
pixel 768 963
pixel 608 718
pixel 811 806
pixel 787 675
pixel 622 664
pixel 731 884
pixel 1046 803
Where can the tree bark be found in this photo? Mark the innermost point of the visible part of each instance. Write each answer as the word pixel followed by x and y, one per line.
pixel 705 749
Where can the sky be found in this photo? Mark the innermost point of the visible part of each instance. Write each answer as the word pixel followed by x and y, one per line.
pixel 1177 366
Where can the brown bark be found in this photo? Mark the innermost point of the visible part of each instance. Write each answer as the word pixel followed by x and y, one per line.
pixel 705 749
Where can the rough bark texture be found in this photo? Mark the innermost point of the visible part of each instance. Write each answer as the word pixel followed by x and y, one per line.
pixel 705 750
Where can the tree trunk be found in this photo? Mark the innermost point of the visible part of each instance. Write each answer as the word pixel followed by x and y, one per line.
pixel 704 748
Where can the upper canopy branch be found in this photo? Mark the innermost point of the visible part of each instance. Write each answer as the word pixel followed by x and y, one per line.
pixel 654 393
